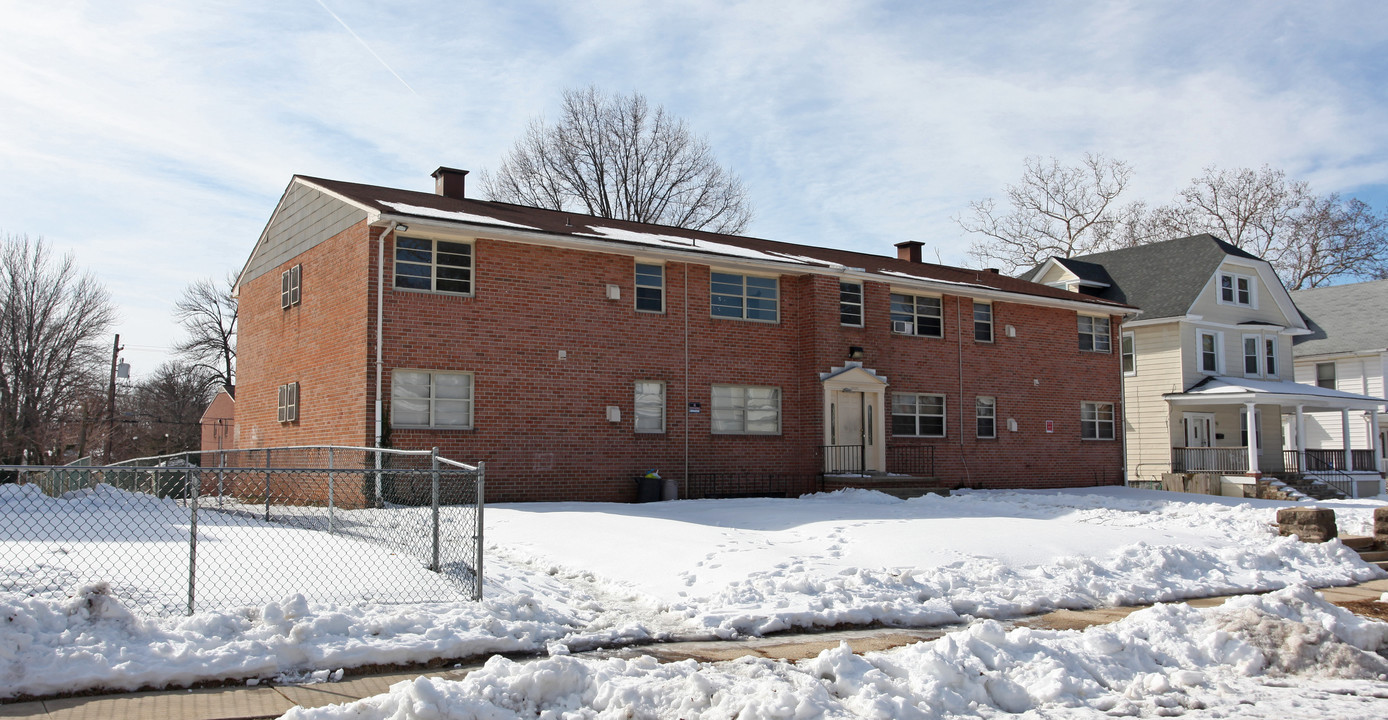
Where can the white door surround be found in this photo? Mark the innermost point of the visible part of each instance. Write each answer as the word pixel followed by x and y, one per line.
pixel 854 412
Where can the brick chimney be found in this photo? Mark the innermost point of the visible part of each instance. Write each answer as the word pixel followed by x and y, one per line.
pixel 909 250
pixel 450 182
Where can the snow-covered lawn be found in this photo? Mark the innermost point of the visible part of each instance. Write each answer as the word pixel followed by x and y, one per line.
pixel 568 576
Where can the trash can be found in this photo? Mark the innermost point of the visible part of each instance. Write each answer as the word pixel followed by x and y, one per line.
pixel 670 490
pixel 648 489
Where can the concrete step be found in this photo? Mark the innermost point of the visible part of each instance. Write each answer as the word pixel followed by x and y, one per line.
pixel 1373 556
pixel 1358 542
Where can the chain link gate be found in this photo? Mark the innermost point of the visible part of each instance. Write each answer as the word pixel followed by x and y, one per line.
pixel 197 531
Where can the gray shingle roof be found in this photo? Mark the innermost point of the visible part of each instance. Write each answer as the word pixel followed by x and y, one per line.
pixel 1343 318
pixel 1162 278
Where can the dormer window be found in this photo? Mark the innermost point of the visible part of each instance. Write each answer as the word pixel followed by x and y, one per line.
pixel 1236 289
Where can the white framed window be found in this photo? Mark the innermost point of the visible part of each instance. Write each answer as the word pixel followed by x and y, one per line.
pixel 746 410
pixel 433 265
pixel 1208 358
pixel 1325 375
pixel 917 315
pixel 983 322
pixel 746 297
pixel 1096 420
pixel 650 406
pixel 1128 349
pixel 290 281
pixel 1253 355
pixel 1270 356
pixel 428 399
pixel 851 304
pixel 986 416
pixel 650 288
pixel 288 408
pixel 918 415
pixel 1094 334
pixel 1237 290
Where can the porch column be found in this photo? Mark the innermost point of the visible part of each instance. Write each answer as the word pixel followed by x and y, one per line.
pixel 1301 438
pixel 1344 432
pixel 1252 426
pixel 1373 440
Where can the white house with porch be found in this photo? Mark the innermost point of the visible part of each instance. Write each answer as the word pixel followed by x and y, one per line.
pixel 1208 357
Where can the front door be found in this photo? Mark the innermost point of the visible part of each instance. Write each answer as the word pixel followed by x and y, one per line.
pixel 853 435
pixel 1199 429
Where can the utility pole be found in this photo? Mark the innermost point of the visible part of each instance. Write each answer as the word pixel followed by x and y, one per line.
pixel 111 403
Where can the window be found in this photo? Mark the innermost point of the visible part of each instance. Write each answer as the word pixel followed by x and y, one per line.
pixel 1096 421
pixel 426 399
pixel 746 410
pixel 912 315
pixel 1235 289
pixel 1094 334
pixel 650 288
pixel 918 415
pixel 1270 358
pixel 1325 375
pixel 743 296
pixel 983 322
pixel 433 265
pixel 288 410
pixel 289 287
pixel 1128 350
pixel 1252 355
pixel 851 304
pixel 1207 348
pixel 650 406
pixel 986 415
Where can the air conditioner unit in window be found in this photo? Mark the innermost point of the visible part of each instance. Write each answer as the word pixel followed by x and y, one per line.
pixel 903 327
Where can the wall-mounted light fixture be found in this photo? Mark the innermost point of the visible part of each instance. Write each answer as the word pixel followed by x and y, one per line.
pixel 855 352
pixel 402 227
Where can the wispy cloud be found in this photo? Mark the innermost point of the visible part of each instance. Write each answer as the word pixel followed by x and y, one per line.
pixel 154 138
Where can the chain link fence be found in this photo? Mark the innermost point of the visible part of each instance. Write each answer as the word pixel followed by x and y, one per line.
pixel 188 532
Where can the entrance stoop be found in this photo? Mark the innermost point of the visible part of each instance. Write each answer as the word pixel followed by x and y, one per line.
pixel 1367 549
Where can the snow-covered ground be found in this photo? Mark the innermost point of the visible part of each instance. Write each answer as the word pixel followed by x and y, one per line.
pixel 568 576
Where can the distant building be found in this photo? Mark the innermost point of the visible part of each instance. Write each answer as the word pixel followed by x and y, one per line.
pixel 219 423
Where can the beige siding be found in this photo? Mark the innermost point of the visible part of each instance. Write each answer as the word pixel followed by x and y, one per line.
pixel 1266 308
pixel 1147 417
pixel 1359 374
pixel 305 217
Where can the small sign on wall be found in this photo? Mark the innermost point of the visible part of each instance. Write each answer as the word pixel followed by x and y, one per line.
pixel 1050 426
pixel 695 407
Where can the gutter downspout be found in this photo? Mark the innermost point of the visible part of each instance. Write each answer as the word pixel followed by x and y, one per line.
pixel 380 332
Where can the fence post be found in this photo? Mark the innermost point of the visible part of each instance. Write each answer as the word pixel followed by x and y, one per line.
pixel 192 537
pixel 330 489
pixel 434 502
pixel 380 503
pixel 267 485
pixel 221 463
pixel 477 537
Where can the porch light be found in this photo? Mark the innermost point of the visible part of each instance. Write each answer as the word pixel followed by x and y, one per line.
pixel 402 227
pixel 855 352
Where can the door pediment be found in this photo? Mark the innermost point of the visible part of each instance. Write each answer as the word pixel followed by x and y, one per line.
pixel 852 374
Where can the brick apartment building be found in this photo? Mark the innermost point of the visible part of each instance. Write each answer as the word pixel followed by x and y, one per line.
pixel 573 353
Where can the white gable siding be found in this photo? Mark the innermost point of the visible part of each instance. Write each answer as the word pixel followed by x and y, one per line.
pixel 1266 292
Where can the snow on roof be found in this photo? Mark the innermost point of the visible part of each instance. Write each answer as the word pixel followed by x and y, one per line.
pixel 450 215
pixel 712 246
pixel 1233 386
pixel 922 278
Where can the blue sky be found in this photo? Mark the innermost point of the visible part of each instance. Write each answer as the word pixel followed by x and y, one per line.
pixel 153 139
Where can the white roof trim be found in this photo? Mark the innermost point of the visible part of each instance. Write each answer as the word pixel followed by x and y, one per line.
pixel 850 367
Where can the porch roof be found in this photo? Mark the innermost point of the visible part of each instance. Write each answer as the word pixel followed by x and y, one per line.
pixel 1239 391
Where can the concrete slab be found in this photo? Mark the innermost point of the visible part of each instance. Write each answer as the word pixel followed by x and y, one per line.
pixel 33 709
pixel 1343 594
pixel 208 704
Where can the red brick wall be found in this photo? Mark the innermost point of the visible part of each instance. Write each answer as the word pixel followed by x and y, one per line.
pixel 539 421
pixel 321 343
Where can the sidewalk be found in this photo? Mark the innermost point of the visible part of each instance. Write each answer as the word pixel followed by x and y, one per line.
pixel 265 701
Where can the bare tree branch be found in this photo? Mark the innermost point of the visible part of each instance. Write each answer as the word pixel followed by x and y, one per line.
pixel 613 156
pixel 207 312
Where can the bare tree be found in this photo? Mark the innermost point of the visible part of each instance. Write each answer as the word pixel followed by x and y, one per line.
pixel 615 157
pixel 1056 210
pixel 53 321
pixel 167 408
pixel 1309 239
pixel 207 312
